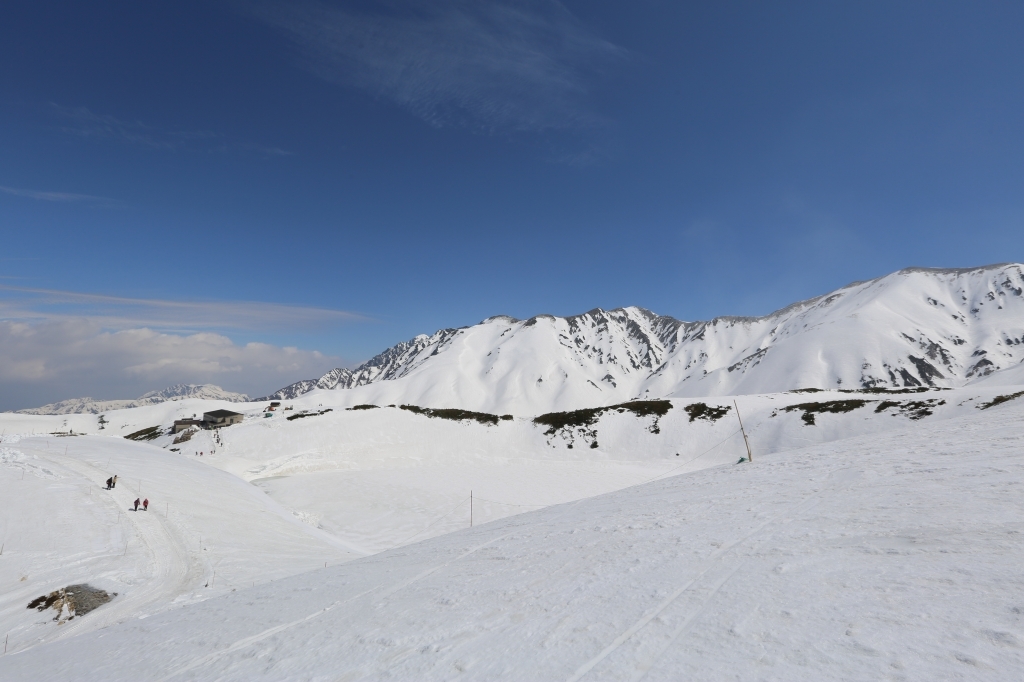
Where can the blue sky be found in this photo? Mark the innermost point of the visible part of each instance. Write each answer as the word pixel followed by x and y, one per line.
pixel 250 193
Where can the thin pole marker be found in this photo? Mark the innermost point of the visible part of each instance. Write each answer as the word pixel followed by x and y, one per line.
pixel 750 457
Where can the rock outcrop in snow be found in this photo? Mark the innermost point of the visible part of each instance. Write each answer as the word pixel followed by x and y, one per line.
pixel 915 327
pixel 176 392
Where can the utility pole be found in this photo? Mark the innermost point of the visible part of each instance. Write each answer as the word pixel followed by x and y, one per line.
pixel 746 441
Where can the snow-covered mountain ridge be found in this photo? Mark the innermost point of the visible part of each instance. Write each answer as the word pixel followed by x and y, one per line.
pixel 914 327
pixel 176 392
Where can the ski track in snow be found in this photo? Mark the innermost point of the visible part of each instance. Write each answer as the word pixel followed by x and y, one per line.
pixel 249 641
pixel 710 563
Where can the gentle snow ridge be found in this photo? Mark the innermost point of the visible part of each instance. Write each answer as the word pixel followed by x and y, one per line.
pixel 176 392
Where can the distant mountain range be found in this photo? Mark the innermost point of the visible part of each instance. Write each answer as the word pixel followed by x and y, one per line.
pixel 914 327
pixel 176 392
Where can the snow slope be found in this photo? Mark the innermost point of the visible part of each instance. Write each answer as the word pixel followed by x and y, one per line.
pixel 176 392
pixel 60 526
pixel 893 555
pixel 915 327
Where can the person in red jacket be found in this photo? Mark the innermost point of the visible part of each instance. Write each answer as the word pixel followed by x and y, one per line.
pixel 145 504
pixel 136 504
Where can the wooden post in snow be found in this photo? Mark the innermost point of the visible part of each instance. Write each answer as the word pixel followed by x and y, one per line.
pixel 750 458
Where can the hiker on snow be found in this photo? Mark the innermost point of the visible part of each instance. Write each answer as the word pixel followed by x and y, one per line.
pixel 113 481
pixel 145 504
pixel 136 504
pixel 110 483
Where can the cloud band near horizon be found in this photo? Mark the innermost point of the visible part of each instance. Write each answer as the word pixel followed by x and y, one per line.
pixel 56 345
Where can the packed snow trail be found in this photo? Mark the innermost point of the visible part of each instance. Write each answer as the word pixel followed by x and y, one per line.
pixel 205 533
pixel 171 569
pixel 894 556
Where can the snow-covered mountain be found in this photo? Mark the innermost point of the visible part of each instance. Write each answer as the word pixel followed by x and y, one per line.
pixel 176 392
pixel 914 327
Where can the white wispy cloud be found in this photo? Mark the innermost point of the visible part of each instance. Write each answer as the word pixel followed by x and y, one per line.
pixel 63 197
pixel 512 65
pixel 119 312
pixel 85 123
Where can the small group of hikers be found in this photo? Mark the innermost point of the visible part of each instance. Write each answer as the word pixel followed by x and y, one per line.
pixel 112 483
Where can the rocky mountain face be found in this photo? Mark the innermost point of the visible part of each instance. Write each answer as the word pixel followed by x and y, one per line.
pixel 915 327
pixel 176 392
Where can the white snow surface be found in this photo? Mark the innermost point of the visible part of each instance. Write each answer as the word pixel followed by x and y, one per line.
pixel 887 548
pixel 176 392
pixel 880 541
pixel 915 327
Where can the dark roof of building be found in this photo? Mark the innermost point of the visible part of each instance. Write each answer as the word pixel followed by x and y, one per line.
pixel 220 414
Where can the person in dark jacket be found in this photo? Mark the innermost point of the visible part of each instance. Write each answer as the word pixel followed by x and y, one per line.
pixel 145 504
pixel 136 504
pixel 110 483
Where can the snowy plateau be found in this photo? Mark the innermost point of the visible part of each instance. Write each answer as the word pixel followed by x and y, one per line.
pixel 554 499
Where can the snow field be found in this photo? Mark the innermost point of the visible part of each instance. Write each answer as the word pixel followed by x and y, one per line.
pixel 884 556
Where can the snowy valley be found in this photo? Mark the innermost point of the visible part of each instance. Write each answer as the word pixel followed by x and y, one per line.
pixel 558 498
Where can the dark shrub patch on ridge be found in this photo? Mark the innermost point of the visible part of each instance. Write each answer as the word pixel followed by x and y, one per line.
pixel 562 422
pixel 1000 399
pixel 556 421
pixel 145 434
pixel 833 406
pixel 914 409
pixel 703 411
pixel 453 414
pixel 302 415
pixel 872 389
pixel 363 407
